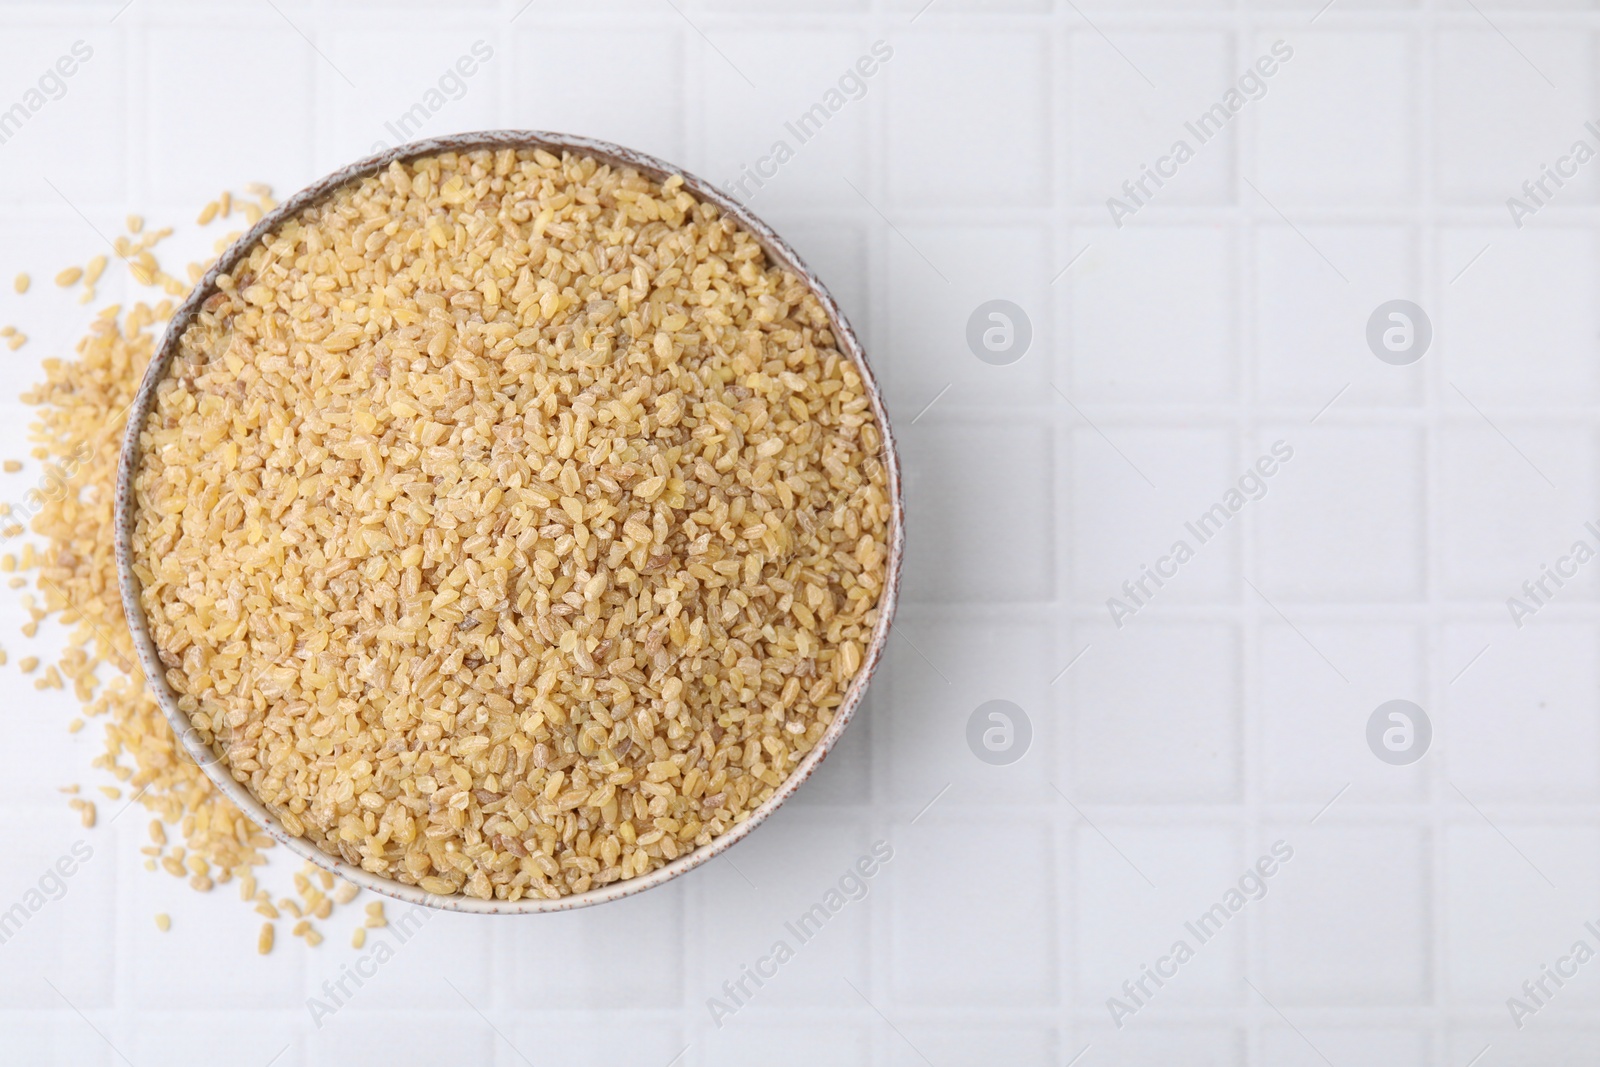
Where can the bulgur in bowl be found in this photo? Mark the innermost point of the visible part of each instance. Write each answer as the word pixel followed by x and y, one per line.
pixel 509 522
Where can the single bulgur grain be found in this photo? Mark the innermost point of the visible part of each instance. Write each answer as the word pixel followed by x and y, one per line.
pixel 560 520
pixel 163 922
pixel 96 267
pixel 17 341
pixel 135 223
pixel 264 939
pixel 313 938
pixel 21 283
pixel 28 664
pixel 358 938
pixel 12 466
pixel 207 213
pixel 69 277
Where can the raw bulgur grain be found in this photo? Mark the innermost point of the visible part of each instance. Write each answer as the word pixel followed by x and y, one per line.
pixel 21 283
pixel 264 939
pixel 80 413
pixel 510 524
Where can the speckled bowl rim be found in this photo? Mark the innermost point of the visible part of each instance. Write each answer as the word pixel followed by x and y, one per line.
pixel 777 250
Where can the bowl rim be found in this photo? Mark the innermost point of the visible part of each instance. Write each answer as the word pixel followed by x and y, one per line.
pixel 778 251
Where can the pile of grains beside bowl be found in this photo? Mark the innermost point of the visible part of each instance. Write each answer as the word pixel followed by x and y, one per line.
pixel 508 525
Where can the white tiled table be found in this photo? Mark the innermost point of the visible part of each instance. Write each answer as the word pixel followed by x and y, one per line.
pixel 1167 355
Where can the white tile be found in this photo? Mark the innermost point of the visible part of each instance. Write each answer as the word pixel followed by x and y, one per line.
pixel 50 119
pixel 944 140
pixel 1315 724
pixel 408 956
pixel 207 961
pixel 1501 523
pixel 781 1044
pixel 1501 919
pixel 1507 104
pixel 1370 1046
pixel 1121 525
pixel 55 1036
pixel 394 1037
pixel 931 706
pixel 974 1046
pixel 943 929
pixel 1151 314
pixel 1201 1046
pixel 1311 326
pixel 795 866
pixel 1126 924
pixel 1523 295
pixel 1524 720
pixel 1155 714
pixel 273 147
pixel 804 134
pixel 203 1039
pixel 416 80
pixel 638 104
pixel 1350 922
pixel 647 928
pixel 579 1043
pixel 1561 1044
pixel 981 493
pixel 1341 97
pixel 1312 6
pixel 1344 521
pixel 929 349
pixel 57 911
pixel 1122 124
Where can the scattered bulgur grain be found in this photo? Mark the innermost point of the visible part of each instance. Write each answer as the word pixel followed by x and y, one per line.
pixel 268 910
pixel 163 922
pixel 21 283
pixel 135 223
pixel 111 792
pixel 158 831
pixel 359 937
pixel 12 466
pixel 264 939
pixel 313 938
pixel 28 664
pixel 207 213
pixel 69 277
pixel 650 558
pixel 74 726
pixel 301 927
pixel 96 267
pixel 17 341
pixel 346 892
